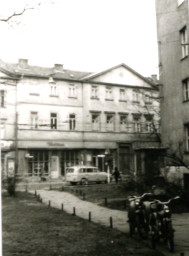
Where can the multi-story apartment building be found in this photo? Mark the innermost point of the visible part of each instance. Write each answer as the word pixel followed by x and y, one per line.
pixel 63 117
pixel 173 41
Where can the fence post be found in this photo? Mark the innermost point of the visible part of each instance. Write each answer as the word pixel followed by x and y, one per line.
pixel 105 201
pixel 83 196
pixel 73 211
pixel 62 207
pixel 49 203
pixel 111 222
pixel 89 216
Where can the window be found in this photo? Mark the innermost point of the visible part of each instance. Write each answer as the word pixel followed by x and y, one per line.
pixel 122 95
pixel 53 121
pixel 185 84
pixel 184 42
pixel 180 2
pixel 34 91
pixel 109 93
pixel 187 136
pixel 72 121
pixel 2 129
pixel 2 98
pixel 34 120
pixel 149 122
pixel 95 118
pixel 137 122
pixel 124 126
pixel 53 87
pixel 110 122
pixel 39 163
pixel 135 96
pixel 147 98
pixel 94 92
pixel 72 91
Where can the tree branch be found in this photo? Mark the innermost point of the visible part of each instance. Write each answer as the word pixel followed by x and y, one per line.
pixel 16 14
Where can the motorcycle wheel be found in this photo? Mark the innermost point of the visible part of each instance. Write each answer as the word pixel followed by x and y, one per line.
pixel 170 244
pixel 140 228
pixel 131 229
pixel 153 241
pixel 170 237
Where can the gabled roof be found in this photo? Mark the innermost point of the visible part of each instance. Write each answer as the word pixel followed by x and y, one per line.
pixel 16 70
pixel 95 75
pixel 37 71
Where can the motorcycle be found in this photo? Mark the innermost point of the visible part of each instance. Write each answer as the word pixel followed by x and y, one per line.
pixel 136 213
pixel 160 223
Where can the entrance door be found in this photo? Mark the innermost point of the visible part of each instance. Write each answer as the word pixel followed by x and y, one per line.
pixel 125 158
pixel 54 167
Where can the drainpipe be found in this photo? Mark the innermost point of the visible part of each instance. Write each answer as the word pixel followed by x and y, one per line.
pixel 16 145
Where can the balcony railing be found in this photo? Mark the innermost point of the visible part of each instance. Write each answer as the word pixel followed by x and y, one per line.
pixel 128 127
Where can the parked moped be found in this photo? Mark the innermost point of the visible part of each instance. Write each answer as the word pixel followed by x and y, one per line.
pixel 160 223
pixel 136 215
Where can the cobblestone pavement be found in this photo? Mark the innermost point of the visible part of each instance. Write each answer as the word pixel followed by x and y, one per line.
pixel 101 215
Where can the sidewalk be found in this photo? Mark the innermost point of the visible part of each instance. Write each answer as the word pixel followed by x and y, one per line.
pixel 101 215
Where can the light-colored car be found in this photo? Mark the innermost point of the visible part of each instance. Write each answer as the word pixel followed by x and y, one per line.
pixel 84 174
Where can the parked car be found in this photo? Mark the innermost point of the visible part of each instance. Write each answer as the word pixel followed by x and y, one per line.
pixel 85 174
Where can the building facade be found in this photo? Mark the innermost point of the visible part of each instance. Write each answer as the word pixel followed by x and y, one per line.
pixel 63 118
pixel 173 41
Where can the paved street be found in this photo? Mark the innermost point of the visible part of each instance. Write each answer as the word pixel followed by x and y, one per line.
pixel 101 215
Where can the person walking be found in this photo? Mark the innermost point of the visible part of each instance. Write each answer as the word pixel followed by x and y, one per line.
pixel 116 174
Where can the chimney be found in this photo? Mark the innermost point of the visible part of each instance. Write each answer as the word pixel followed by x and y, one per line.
pixel 154 77
pixel 58 67
pixel 23 63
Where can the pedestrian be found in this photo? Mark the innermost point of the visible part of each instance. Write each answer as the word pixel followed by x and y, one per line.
pixel 116 174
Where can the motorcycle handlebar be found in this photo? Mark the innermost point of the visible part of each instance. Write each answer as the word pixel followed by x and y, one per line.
pixel 166 203
pixel 139 197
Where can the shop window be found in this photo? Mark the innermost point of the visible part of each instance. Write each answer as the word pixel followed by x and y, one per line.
pixel 38 163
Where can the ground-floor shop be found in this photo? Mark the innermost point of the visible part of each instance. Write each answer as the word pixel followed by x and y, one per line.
pixel 51 163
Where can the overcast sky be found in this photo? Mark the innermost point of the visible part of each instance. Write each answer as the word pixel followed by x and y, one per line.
pixel 86 35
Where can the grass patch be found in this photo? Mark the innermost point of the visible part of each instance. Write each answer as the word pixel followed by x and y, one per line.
pixel 32 228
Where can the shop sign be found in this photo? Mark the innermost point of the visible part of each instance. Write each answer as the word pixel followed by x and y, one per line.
pixel 56 144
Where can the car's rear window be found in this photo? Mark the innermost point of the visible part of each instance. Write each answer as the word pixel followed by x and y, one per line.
pixel 70 170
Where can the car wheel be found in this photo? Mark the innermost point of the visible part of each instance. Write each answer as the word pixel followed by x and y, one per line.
pixel 84 182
